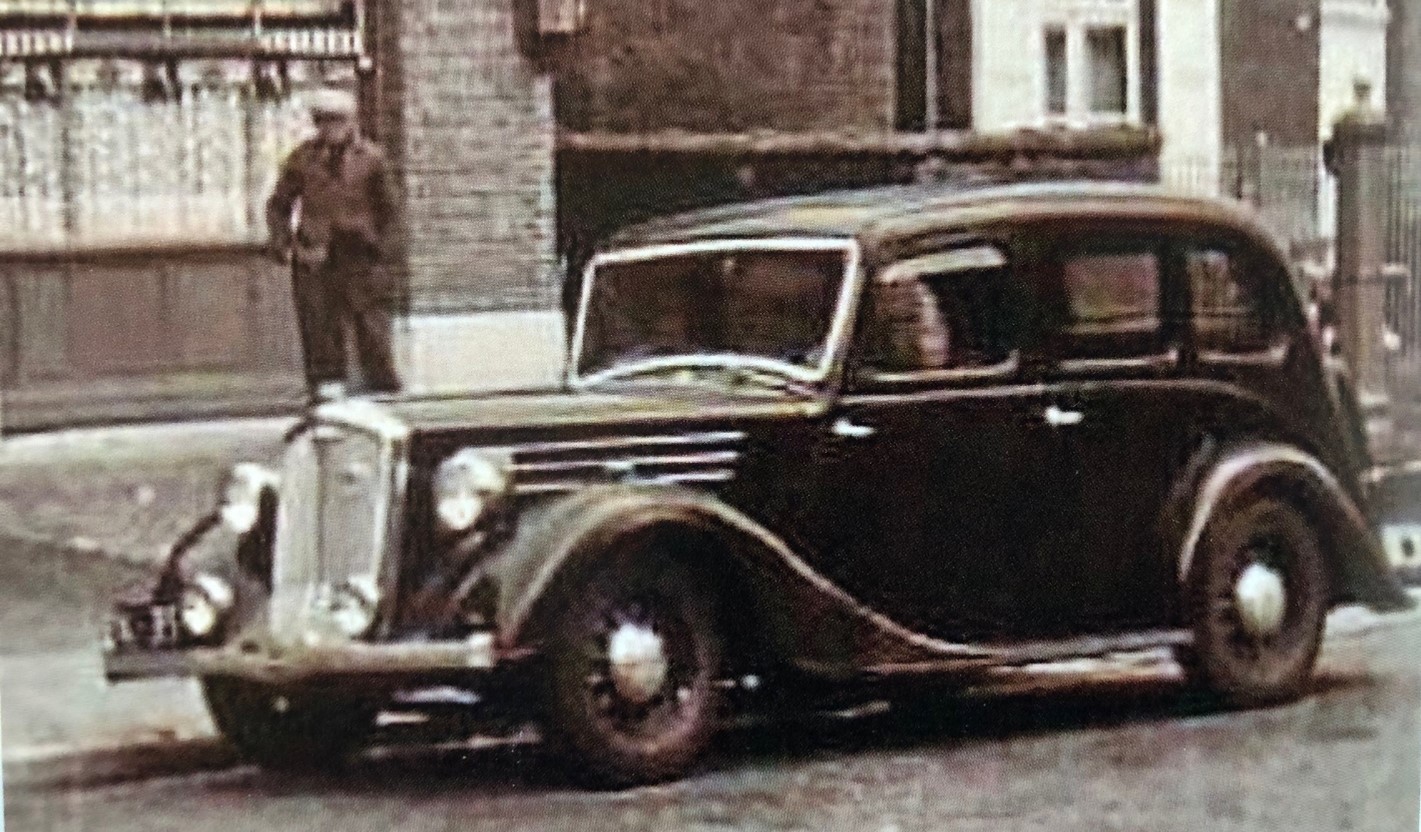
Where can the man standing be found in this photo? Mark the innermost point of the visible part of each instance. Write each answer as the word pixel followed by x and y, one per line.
pixel 339 184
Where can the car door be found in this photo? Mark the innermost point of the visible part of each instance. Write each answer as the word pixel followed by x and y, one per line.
pixel 1115 397
pixel 937 457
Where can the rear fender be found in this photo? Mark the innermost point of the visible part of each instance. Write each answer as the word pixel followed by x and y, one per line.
pixel 1358 564
pixel 803 618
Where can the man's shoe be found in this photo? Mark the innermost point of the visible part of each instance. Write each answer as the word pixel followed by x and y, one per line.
pixel 329 391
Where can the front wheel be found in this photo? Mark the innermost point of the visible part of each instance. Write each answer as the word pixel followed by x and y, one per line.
pixel 1258 597
pixel 633 659
pixel 287 730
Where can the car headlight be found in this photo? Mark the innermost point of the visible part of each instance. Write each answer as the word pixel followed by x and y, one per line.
pixel 241 495
pixel 205 602
pixel 352 607
pixel 465 486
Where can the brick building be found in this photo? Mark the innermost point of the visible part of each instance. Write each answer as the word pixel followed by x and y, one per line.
pixel 641 65
pixel 138 139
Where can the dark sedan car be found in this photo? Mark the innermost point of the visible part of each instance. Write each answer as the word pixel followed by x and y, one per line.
pixel 822 443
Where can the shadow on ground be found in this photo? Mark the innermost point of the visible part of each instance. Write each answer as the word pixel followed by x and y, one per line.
pixel 918 724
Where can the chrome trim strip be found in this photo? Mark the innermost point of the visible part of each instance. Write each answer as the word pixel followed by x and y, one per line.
pixel 636 461
pixel 837 328
pixel 564 486
pixel 1167 360
pixel 1002 369
pixel 717 437
pixel 720 475
pixel 1274 356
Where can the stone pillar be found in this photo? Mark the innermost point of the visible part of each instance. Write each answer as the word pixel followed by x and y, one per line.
pixel 466 113
pixel 1189 93
pixel 1357 157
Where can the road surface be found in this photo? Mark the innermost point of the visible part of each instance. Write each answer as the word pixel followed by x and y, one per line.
pixel 1085 751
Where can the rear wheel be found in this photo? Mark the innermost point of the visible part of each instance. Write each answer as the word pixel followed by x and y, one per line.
pixel 288 730
pixel 1258 598
pixel 633 660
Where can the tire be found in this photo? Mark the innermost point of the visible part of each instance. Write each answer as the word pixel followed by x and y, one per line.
pixel 284 730
pixel 611 733
pixel 1243 662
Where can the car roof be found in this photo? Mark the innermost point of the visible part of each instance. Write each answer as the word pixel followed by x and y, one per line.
pixel 882 214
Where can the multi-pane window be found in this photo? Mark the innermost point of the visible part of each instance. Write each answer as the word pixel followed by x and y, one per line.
pixel 98 152
pixel 1087 70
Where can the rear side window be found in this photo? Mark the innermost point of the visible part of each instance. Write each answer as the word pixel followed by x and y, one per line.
pixel 1228 304
pixel 1112 303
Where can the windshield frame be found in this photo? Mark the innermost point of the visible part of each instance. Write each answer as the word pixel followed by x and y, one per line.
pixel 834 338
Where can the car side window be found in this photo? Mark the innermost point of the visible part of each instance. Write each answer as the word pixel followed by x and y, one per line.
pixel 942 312
pixel 1111 300
pixel 1228 304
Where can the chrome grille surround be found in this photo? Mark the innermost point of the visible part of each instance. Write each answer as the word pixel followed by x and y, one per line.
pixel 338 519
pixel 554 467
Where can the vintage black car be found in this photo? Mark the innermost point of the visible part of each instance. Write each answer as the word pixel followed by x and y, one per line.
pixel 820 443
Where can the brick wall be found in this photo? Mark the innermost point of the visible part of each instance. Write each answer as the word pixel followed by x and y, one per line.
pixel 1270 70
pixel 467 115
pixel 731 65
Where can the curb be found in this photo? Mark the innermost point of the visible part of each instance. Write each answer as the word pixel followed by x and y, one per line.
pixel 88 768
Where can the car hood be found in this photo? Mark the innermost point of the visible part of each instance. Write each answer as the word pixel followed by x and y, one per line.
pixel 516 414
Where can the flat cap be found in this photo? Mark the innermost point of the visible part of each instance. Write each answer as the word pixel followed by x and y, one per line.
pixel 332 102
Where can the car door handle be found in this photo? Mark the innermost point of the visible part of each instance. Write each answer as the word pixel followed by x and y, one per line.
pixel 849 430
pixel 1057 418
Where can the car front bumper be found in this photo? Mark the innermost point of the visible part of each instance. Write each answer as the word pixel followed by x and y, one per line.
pixel 291 664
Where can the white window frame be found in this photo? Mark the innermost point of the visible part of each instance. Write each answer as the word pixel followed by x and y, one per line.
pixel 1076 20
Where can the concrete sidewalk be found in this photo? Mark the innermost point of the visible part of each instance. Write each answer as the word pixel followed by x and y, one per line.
pixel 81 512
pixel 126 492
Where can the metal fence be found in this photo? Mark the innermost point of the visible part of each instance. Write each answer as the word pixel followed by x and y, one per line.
pixel 1401 186
pixel 110 159
pixel 1286 185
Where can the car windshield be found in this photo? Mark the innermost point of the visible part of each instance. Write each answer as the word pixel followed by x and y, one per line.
pixel 761 310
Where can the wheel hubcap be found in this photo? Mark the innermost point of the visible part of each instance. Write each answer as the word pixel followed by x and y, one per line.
pixel 636 655
pixel 1261 599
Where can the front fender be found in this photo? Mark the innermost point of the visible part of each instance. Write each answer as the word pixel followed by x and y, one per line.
pixel 1358 562
pixel 803 617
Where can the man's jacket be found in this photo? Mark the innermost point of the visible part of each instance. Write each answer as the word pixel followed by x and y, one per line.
pixel 345 196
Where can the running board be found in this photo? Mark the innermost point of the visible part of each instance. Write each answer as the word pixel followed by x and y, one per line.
pixel 1040 652
pixel 1087 647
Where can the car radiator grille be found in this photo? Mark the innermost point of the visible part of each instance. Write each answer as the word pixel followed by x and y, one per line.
pixel 685 459
pixel 332 521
